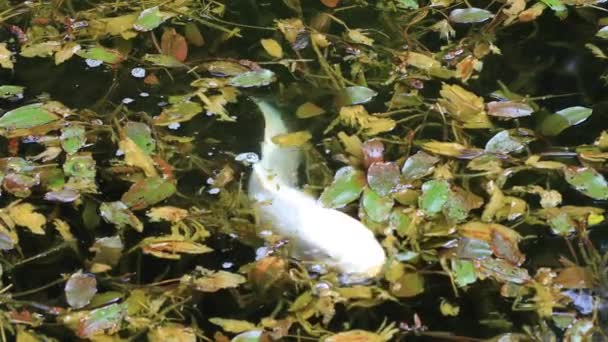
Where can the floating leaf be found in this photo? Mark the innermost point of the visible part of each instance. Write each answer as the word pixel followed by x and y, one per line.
pixel 174 44
pixel 147 192
pixel 357 36
pixel 383 178
pixel 464 106
pixel 503 142
pixel 309 110
pixel 43 49
pixel 272 47
pixel 419 165
pixel 602 33
pixel 162 60
pixel 100 53
pixel 256 78
pixel 470 15
pixel 509 109
pixel 502 271
pixel 28 116
pixel 80 165
pixel 293 139
pixel 107 318
pixel 194 35
pixel 72 138
pixel 410 284
pixel 556 5
pixel 80 289
pixel 355 95
pixel 172 333
pixel 170 247
pixel 357 116
pixel 120 215
pixel 67 51
pixel 6 57
pixel 434 196
pixel 149 19
pixel 588 181
pixel 108 250
pixel 232 325
pixel 449 149
pixel 141 135
pixel 167 213
pixel 464 272
pixel 205 280
pixel 23 214
pixel 224 68
pixel 11 92
pixel 554 124
pixel 346 187
pixel 377 208
pixel 178 112
pixel 134 156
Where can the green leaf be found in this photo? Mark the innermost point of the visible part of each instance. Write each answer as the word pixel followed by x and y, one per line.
pixel 178 112
pixel 554 124
pixel 141 134
pixel 407 4
pixel 555 5
pixel 147 192
pixel 400 222
pixel 72 138
pixel 11 92
pixel 119 214
pixel 256 78
pixel 80 289
pixel 376 207
pixel 249 336
pixel 80 165
pixel 162 60
pixel 418 166
pixel 102 319
pixel 149 19
pixel 503 143
pixel 346 187
pixel 355 95
pixel 434 196
pixel 588 181
pixel 28 116
pixel 602 33
pixel 470 15
pixel 383 177
pixel 464 272
pixel 408 285
pixel 100 53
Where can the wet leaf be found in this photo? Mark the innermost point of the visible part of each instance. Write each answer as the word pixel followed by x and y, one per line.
pixel 67 51
pixel 100 53
pixel 119 214
pixel 294 139
pixel 72 138
pixel 27 116
pixel 162 60
pixel 80 165
pixel 178 112
pixel 357 116
pixel 147 192
pixel 377 208
pixel 23 215
pixel 170 247
pixel 141 135
pixel 205 280
pixel 107 318
pixel 355 95
pixel 6 57
pixel 194 35
pixel 80 289
pixel 43 49
pixel 502 271
pixel 410 284
pixel 272 47
pixel 174 44
pixel 450 149
pixel 401 223
pixel 575 277
pixel 309 110
pixel 588 181
pixel 554 124
pixel 167 213
pixel 448 309
pixel 256 78
pixel 354 336
pixel 464 106
pixel 172 333
pixel 383 178
pixel 11 92
pixel 108 250
pixel 556 5
pixel 470 15
pixel 434 196
pixel 509 109
pixel 464 272
pixel 149 19
pixel 602 33
pixel 418 166
pixel 346 187
pixel 232 325
pixel 134 156
pixel 358 36
pixel 224 68
pixel 422 61
pixel 503 142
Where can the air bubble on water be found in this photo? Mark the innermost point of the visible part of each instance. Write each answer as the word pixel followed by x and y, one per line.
pixel 93 63
pixel 214 191
pixel 127 100
pixel 174 125
pixel 247 158
pixel 138 72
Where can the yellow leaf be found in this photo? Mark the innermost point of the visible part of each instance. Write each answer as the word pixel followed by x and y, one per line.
pixel 464 106
pixel 319 40
pixel 448 309
pixel 66 52
pixel 450 149
pixel 309 110
pixel 357 116
pixel 232 325
pixel 294 139
pixel 213 281
pixel 172 333
pixel 64 229
pixel 291 28
pixel 358 36
pixel 170 247
pixel 23 214
pixel 272 47
pixel 6 60
pixel 134 156
pixel 421 61
pixel 535 162
pixel 352 144
pixel 167 213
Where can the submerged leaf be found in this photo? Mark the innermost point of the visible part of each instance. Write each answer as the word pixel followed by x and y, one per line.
pixel 72 138
pixel 470 15
pixel 355 95
pixel 434 196
pixel 554 124
pixel 170 247
pixel 377 208
pixel 147 192
pixel 232 325
pixel 149 19
pixel 509 109
pixel 11 92
pixel 107 318
pixel 100 53
pixel 588 181
pixel 309 110
pixel 419 165
pixel 383 177
pixel 28 116
pixel 464 106
pixel 120 215
pixel 256 78
pixel 293 139
pixel 212 281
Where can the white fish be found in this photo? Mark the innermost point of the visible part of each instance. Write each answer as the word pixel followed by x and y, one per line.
pixel 316 233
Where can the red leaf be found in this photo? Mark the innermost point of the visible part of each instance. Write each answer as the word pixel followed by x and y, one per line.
pixel 174 44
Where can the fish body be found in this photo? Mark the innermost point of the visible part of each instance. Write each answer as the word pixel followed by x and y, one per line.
pixel 316 233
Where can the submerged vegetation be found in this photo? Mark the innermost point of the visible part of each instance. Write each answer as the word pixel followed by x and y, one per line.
pixel 469 136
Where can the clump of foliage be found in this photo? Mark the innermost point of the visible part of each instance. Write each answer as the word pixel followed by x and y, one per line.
pixel 469 136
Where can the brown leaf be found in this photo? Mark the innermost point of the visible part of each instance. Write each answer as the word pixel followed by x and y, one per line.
pixel 330 3
pixel 174 44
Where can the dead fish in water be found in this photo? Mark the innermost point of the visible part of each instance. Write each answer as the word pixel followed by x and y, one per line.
pixel 316 233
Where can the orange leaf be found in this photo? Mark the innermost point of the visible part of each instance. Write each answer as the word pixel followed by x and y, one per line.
pixel 174 44
pixel 330 3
